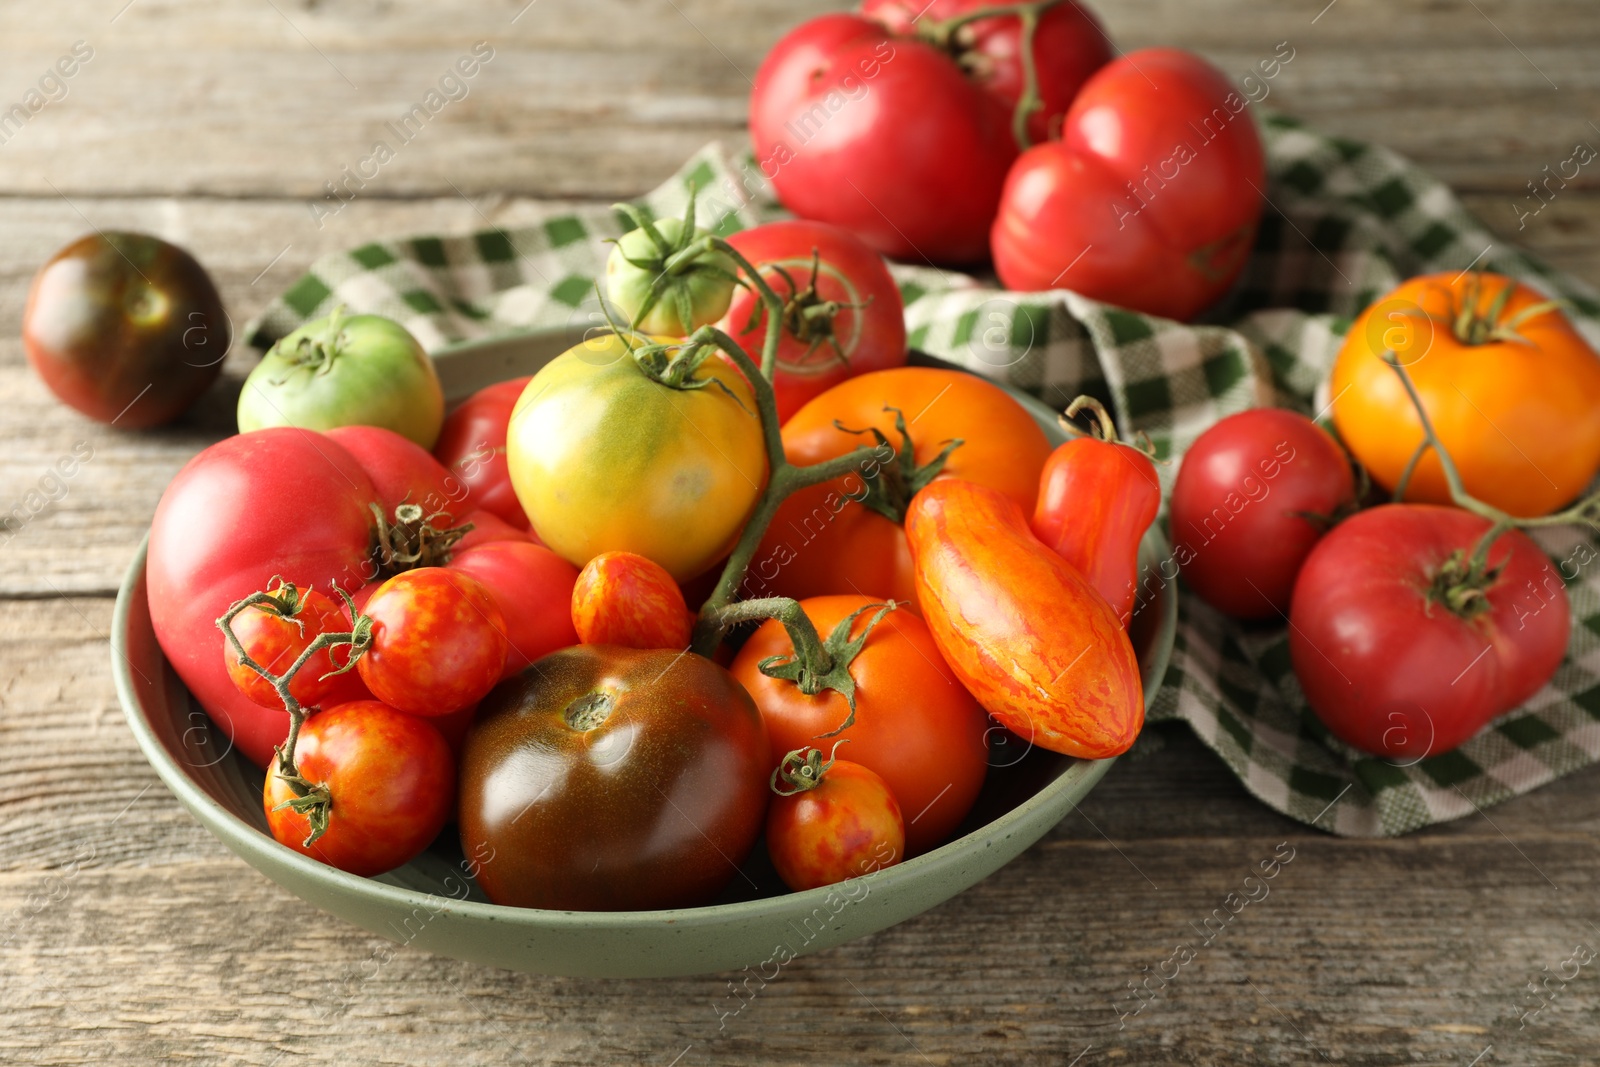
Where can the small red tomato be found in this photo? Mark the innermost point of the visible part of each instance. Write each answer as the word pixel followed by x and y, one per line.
pixel 1254 495
pixel 840 822
pixel 275 634
pixel 472 445
pixel 533 588
pixel 1097 497
pixel 438 641
pixel 622 598
pixel 392 783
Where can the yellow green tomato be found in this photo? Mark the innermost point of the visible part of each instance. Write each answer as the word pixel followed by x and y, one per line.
pixel 605 459
pixel 346 370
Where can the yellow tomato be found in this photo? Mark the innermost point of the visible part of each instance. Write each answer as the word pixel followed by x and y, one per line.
pixel 1512 390
pixel 606 459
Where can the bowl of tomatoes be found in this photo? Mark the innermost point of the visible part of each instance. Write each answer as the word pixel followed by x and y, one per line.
pixel 437 902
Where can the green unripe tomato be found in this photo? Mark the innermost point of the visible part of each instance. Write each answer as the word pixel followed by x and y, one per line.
pixel 696 294
pixel 360 370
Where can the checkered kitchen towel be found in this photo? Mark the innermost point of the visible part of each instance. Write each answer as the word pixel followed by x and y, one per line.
pixel 1345 223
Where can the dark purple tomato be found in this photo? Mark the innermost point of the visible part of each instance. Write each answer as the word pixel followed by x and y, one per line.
pixel 605 778
pixel 126 328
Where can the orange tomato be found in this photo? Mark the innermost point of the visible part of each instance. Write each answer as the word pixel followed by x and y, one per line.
pixel 916 726
pixel 1024 630
pixel 1512 390
pixel 622 598
pixel 847 825
pixel 827 539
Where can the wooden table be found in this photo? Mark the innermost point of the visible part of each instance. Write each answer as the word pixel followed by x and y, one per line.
pixel 132 936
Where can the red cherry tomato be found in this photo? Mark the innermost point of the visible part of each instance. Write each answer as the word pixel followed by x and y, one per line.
pixel 438 641
pixel 403 472
pixel 622 598
pixel 846 825
pixel 532 586
pixel 882 135
pixel 1151 198
pixel 1394 657
pixel 845 319
pixel 392 780
pixel 472 445
pixel 274 635
pixel 1097 497
pixel 1242 503
pixel 916 725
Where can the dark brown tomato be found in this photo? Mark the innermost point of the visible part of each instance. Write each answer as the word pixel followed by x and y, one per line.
pixel 125 328
pixel 614 779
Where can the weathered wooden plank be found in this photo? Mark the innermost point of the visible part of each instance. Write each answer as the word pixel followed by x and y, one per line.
pixel 585 99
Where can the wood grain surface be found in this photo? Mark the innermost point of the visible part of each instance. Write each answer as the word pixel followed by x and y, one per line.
pixel 131 936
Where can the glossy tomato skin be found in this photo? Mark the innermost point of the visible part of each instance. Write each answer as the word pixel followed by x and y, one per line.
pixel 1068 46
pixel 870 327
pixel 438 642
pixel 605 459
pixel 882 136
pixel 1096 500
pixel 125 327
pixel 916 725
pixel 1171 126
pixel 275 641
pixel 1024 631
pixel 284 502
pixel 1520 418
pixel 1396 674
pixel 403 472
pixel 532 586
pixel 614 779
pixel 487 528
pixel 824 540
pixel 1240 506
pixel 472 445
pixel 846 826
pixel 624 599
pixel 392 779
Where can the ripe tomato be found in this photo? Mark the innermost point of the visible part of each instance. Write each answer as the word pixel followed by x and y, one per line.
pixel 125 328
pixel 624 599
pixel 403 472
pixel 487 527
pixel 438 641
pixel 276 502
pixel 1027 634
pixel 274 635
pixel 1151 198
pixel 472 445
pixel 1068 46
pixel 1255 493
pixel 611 779
pixel 883 136
pixel 532 586
pixel 845 825
pixel 392 780
pixel 844 319
pixel 606 459
pixel 828 538
pixel 1097 497
pixel 916 725
pixel 1512 391
pixel 1400 657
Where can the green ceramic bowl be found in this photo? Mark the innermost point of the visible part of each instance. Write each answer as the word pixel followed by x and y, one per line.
pixel 430 903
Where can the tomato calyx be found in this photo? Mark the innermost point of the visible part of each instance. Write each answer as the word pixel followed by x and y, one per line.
pixel 802 769
pixel 314 354
pixel 1462 584
pixel 412 540
pixel 1473 324
pixel 312 799
pixel 807 317
pixel 676 265
pixel 815 665
pixel 891 486
pixel 953 36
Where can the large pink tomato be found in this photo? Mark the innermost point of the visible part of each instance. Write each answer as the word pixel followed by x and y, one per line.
pixel 1151 198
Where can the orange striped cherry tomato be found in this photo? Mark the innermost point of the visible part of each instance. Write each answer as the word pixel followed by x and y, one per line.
pixel 622 598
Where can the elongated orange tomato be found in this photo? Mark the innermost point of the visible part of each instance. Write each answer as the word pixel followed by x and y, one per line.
pixel 1024 631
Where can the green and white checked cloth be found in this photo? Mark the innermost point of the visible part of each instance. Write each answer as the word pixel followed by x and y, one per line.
pixel 1346 221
